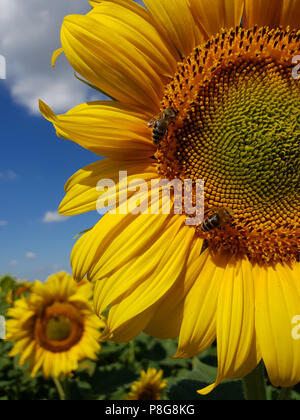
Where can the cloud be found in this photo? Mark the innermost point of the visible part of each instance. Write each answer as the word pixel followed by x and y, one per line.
pixel 30 255
pixel 3 223
pixel 29 33
pixel 13 263
pixel 56 267
pixel 8 175
pixel 53 217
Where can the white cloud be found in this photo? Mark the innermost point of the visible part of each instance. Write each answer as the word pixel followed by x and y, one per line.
pixel 13 263
pixel 56 267
pixel 30 255
pixel 3 223
pixel 29 33
pixel 8 175
pixel 53 217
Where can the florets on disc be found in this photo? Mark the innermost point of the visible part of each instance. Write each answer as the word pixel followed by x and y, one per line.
pixel 238 129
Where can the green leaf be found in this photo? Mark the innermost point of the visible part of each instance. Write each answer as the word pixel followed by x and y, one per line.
pixel 7 283
pixel 186 389
pixel 295 396
pixel 203 372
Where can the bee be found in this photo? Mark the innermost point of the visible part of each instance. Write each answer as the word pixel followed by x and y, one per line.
pixel 160 124
pixel 219 217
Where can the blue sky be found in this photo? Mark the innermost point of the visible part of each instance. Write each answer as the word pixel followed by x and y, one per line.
pixel 34 166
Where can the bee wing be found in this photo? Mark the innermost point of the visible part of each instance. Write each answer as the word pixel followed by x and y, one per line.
pixel 210 211
pixel 151 122
pixel 154 119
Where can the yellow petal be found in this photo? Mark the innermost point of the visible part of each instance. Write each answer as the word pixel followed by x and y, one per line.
pixel 133 245
pixel 167 319
pixel 212 15
pixel 236 339
pixel 272 13
pixel 82 194
pixel 55 56
pixel 151 289
pixel 103 261
pixel 290 14
pixel 128 4
pixel 105 128
pixel 261 13
pixel 198 329
pixel 139 262
pixel 37 361
pixel 91 246
pixel 130 329
pixel 48 365
pixel 124 75
pixel 176 19
pixel 19 346
pixel 27 352
pixel 86 247
pixel 140 32
pixel 277 304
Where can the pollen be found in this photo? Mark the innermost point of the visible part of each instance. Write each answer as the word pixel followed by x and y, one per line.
pixel 238 129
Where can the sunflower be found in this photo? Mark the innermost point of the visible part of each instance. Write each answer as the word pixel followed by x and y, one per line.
pixel 225 67
pixel 149 387
pixel 55 327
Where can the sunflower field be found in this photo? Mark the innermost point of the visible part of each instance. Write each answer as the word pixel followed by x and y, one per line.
pixel 115 375
pixel 184 283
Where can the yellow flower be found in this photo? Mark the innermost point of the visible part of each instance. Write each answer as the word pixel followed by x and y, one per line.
pixel 149 387
pixel 237 128
pixel 55 327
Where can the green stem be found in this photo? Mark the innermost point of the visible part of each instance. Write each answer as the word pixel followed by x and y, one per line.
pixel 255 386
pixel 60 389
pixel 194 363
pixel 284 394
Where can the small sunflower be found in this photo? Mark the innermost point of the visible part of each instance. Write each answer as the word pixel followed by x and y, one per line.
pixel 149 387
pixel 225 67
pixel 55 327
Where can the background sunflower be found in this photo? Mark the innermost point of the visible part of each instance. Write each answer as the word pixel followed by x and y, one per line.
pixel 54 327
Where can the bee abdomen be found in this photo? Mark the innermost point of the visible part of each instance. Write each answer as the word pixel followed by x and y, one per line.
pixel 211 223
pixel 157 138
pixel 158 132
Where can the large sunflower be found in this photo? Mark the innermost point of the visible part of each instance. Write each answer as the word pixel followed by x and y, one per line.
pixel 55 327
pixel 237 128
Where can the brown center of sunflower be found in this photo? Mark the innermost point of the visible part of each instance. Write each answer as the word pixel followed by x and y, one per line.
pixel 148 393
pixel 59 328
pixel 238 129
